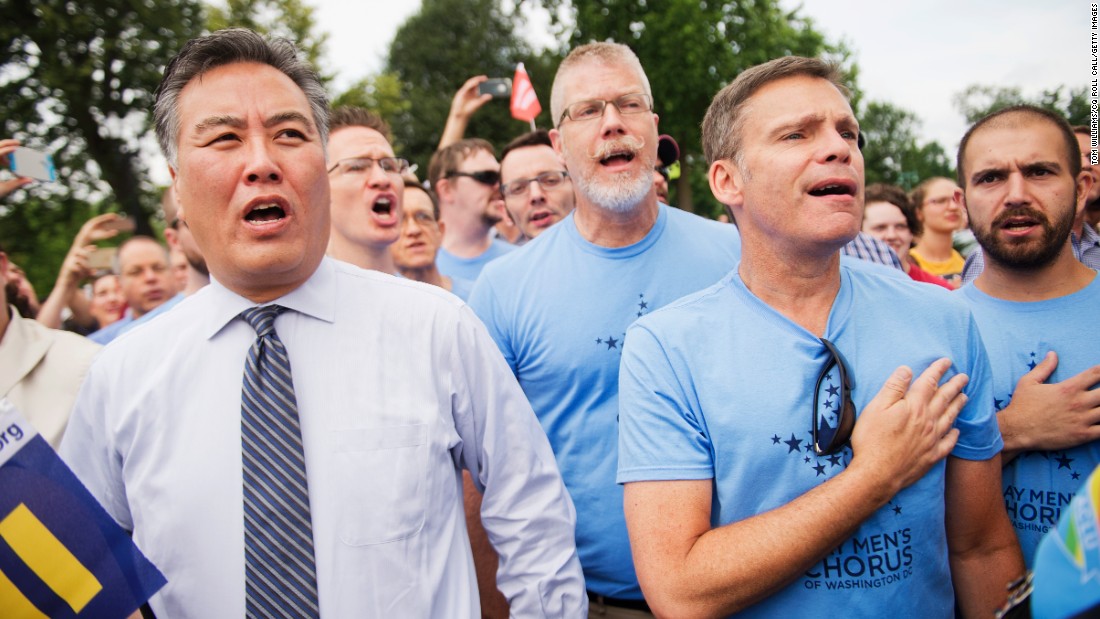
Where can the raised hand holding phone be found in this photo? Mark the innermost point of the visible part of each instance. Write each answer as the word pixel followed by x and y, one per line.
pixel 32 163
pixel 7 186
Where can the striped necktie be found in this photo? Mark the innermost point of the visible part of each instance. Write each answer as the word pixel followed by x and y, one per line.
pixel 280 575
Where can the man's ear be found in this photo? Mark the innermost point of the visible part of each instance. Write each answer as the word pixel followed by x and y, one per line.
pixel 959 198
pixel 180 215
pixel 555 141
pixel 727 184
pixel 1084 184
pixel 444 190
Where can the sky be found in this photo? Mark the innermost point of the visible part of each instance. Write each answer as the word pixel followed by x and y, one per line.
pixel 916 55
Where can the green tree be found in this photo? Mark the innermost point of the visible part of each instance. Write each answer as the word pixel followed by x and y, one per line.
pixel 977 101
pixel 292 19
pixel 77 80
pixel 892 153
pixel 383 94
pixel 690 50
pixel 436 50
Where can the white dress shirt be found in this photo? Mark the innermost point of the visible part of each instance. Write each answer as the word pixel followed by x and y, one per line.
pixel 399 387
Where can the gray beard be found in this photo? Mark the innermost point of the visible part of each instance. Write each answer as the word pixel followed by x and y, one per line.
pixel 618 195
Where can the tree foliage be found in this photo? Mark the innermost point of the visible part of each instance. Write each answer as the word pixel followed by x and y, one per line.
pixel 979 100
pixel 292 19
pixel 383 94
pixel 892 153
pixel 76 79
pixel 436 50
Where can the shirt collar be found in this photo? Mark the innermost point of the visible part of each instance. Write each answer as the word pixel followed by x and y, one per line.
pixel 1089 235
pixel 316 298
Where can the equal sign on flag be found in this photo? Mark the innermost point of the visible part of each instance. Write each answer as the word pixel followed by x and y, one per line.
pixel 61 554
pixel 525 103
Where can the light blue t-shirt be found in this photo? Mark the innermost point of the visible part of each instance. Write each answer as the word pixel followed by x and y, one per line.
pixel 107 334
pixel 558 309
pixel 1017 335
pixel 470 268
pixel 719 386
pixel 461 288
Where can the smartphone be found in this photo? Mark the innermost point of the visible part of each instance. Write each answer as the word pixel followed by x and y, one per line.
pixel 33 163
pixel 499 87
pixel 122 224
pixel 102 258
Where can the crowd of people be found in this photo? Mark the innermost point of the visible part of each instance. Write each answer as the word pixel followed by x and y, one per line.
pixel 528 386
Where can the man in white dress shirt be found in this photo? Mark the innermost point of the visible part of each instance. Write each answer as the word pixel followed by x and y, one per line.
pixel 398 386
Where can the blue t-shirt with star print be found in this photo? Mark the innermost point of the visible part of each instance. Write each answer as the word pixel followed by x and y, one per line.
pixel 1038 485
pixel 559 308
pixel 720 386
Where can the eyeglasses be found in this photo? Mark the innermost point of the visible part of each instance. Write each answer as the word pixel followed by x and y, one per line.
pixel 546 180
pixel 422 218
pixel 485 177
pixel 362 165
pixel 634 103
pixel 831 437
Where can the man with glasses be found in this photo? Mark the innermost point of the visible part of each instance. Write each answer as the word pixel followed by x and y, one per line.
pixel 537 190
pixel 290 440
pixel 809 433
pixel 466 177
pixel 367 187
pixel 559 306
pixel 422 233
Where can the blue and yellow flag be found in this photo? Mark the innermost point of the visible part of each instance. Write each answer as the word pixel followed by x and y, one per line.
pixel 61 554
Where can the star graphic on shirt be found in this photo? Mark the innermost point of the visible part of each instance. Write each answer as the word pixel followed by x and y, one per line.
pixel 643 305
pixel 611 342
pixel 833 390
pixel 599 340
pixel 795 444
pixel 820 468
pixel 829 376
pixel 1076 475
pixel 806 459
pixel 775 439
pixel 998 404
pixel 897 509
pixel 1063 462
pixel 834 460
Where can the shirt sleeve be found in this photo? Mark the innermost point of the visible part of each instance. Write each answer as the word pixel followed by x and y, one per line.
pixel 867 247
pixel 979 435
pixel 661 434
pixel 88 449
pixel 526 509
